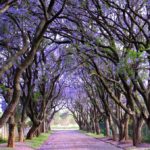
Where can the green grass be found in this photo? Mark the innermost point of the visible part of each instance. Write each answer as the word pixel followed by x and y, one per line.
pixel 146 139
pixel 65 128
pixel 3 141
pixel 92 134
pixel 36 142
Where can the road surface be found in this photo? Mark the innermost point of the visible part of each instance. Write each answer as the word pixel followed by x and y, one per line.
pixel 74 140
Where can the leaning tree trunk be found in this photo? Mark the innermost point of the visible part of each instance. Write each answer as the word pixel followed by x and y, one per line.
pixel 38 131
pixel 11 136
pixel 32 131
pixel 138 123
pixel 123 129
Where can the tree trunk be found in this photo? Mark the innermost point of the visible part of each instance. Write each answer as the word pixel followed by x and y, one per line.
pixel 20 132
pixel 49 127
pixel 31 132
pixel 121 132
pixel 107 127
pixel 80 126
pixel 11 136
pixel 46 126
pixel 93 126
pixel 113 128
pixel 126 130
pixel 137 127
pixel 38 131
pixel 97 127
pixel 123 128
pixel 43 127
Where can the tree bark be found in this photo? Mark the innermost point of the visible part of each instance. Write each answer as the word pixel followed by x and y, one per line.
pixel 113 128
pixel 31 132
pixel 93 126
pixel 138 123
pixel 43 126
pixel 97 127
pixel 126 130
pixel 121 132
pixel 107 127
pixel 49 128
pixel 38 131
pixel 20 132
pixel 11 136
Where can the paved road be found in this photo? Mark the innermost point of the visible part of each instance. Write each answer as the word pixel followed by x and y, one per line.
pixel 73 140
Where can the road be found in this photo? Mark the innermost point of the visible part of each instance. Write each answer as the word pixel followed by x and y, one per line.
pixel 74 140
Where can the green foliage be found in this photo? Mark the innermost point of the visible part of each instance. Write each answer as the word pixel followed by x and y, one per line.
pixel 102 127
pixel 2 140
pixel 141 48
pixel 72 127
pixel 76 46
pixel 93 72
pixel 88 44
pixel 83 4
pixel 126 64
pixel 36 96
pixel 36 142
pixel 91 22
pixel 63 120
pixel 145 134
pixel 113 44
pixel 3 88
pixel 107 4
pixel 134 54
pixel 146 139
pixel 98 41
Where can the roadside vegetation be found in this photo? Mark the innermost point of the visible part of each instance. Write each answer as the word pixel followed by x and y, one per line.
pixel 93 134
pixel 36 142
pixel 3 140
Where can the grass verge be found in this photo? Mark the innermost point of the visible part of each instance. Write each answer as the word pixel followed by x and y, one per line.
pixel 36 142
pixel 64 128
pixel 92 134
pixel 3 141
pixel 146 139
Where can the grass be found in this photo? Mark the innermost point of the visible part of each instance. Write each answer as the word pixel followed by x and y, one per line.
pixel 36 142
pixel 146 139
pixel 65 128
pixel 92 134
pixel 3 141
